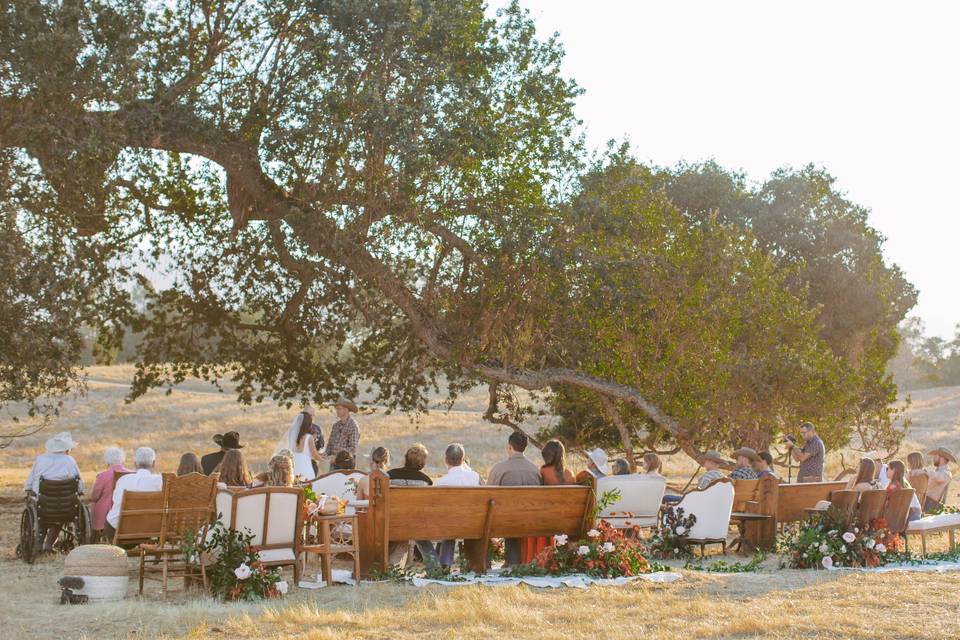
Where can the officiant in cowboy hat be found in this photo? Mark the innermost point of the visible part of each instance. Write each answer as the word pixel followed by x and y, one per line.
pixel 226 442
pixel 345 434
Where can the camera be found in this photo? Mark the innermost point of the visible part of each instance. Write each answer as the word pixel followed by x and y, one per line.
pixel 790 439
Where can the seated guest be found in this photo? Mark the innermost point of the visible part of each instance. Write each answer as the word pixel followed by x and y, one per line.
pixel 189 463
pixel 712 461
pixel 763 465
pixel 515 471
pixel 233 470
pixel 864 479
pixel 143 479
pixel 915 465
pixel 458 475
pixel 379 461
pixel 279 472
pixel 745 457
pixel 55 464
pixel 228 441
pixel 411 475
pixel 554 469
pixel 101 496
pixel 620 467
pixel 897 480
pixel 596 465
pixel 651 467
pixel 343 460
pixel 940 478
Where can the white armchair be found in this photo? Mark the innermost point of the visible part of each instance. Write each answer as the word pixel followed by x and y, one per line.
pixel 340 483
pixel 639 501
pixel 712 507
pixel 273 515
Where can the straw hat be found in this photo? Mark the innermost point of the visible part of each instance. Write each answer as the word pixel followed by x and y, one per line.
pixel 715 456
pixel 344 401
pixel 599 458
pixel 748 453
pixel 943 451
pixel 60 443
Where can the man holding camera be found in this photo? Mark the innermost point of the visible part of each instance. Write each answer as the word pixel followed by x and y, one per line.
pixel 810 456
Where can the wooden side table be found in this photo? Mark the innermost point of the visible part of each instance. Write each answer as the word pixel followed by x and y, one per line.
pixel 334 534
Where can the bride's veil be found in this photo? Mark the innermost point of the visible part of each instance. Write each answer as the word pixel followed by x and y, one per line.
pixel 291 441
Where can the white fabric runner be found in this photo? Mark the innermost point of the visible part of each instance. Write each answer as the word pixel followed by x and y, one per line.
pixel 577 581
pixel 935 567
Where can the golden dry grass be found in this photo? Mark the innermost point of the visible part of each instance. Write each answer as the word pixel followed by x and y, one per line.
pixel 770 604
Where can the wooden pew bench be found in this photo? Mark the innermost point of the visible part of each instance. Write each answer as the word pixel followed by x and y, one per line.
pixel 473 514
pixel 794 499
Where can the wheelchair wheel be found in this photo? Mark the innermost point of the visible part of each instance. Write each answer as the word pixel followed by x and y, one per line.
pixel 84 525
pixel 30 542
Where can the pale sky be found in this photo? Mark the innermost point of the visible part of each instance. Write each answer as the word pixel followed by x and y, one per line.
pixel 869 90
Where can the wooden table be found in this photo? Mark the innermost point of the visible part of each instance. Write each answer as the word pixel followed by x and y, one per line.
pixel 742 518
pixel 334 534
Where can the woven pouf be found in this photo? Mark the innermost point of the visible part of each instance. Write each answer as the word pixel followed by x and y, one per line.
pixel 104 570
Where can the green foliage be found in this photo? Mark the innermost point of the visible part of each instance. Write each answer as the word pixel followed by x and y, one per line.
pixel 723 566
pixel 231 552
pixel 835 539
pixel 606 499
pixel 670 538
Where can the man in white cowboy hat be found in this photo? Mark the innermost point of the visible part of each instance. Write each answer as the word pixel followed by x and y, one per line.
pixel 597 465
pixel 55 464
pixel 345 434
pixel 712 461
pixel 940 478
pixel 745 457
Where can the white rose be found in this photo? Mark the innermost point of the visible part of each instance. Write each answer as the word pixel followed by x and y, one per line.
pixel 583 550
pixel 824 548
pixel 848 537
pixel 869 544
pixel 681 530
pixel 593 533
pixel 283 587
pixel 881 548
pixel 827 562
pixel 608 547
pixel 242 572
pixel 560 539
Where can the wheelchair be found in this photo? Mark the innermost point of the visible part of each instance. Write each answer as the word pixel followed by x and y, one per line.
pixel 59 504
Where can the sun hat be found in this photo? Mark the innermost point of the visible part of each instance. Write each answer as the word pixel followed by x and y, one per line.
pixel 599 457
pixel 715 456
pixel 230 440
pixel 943 451
pixel 60 443
pixel 344 401
pixel 747 452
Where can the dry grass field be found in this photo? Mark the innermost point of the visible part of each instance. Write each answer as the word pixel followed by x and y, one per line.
pixel 771 604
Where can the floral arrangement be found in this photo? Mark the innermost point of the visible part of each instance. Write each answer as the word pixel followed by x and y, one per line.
pixel 237 573
pixel 670 538
pixel 835 540
pixel 605 553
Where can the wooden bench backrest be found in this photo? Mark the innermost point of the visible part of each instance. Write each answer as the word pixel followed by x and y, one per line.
pixel 141 517
pixel 845 499
pixel 745 494
pixel 759 496
pixel 475 514
pixel 919 483
pixel 793 499
pixel 897 509
pixel 871 506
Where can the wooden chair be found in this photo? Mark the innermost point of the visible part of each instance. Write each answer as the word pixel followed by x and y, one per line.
pixel 919 483
pixel 872 504
pixel 845 500
pixel 897 509
pixel 188 507
pixel 141 515
pixel 274 516
pixel 758 496
pixel 712 507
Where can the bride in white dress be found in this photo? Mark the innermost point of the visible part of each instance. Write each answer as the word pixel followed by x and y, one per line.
pixel 301 444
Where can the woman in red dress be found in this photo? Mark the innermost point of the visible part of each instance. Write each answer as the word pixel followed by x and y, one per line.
pixel 552 472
